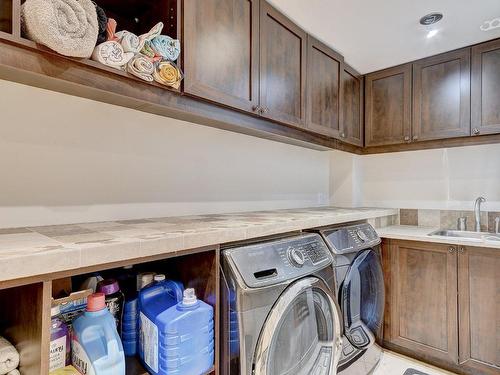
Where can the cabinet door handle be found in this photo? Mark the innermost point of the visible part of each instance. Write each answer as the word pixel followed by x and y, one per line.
pixel 257 108
pixel 461 250
pixel 415 137
pixel 476 131
pixel 407 138
pixel 342 135
pixel 265 110
pixel 451 249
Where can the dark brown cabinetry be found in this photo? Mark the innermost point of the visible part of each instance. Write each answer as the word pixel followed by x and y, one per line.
pixel 423 299
pixel 352 130
pixel 324 89
pixel 388 106
pixel 443 304
pixel 441 96
pixel 486 88
pixel 479 309
pixel 282 67
pixel 221 51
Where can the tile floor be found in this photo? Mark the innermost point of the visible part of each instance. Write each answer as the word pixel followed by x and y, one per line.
pixel 395 364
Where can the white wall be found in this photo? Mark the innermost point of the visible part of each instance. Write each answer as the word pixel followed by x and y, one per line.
pixel 66 159
pixel 435 179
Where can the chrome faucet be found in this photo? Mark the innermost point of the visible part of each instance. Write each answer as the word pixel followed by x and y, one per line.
pixel 477 212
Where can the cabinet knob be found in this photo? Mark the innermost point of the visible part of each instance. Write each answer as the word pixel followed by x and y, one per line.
pixel 265 110
pixel 342 135
pixel 415 138
pixel 451 249
pixel 461 250
pixel 407 138
pixel 256 108
pixel 476 131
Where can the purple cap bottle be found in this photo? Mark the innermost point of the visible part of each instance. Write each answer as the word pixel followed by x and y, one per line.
pixel 60 343
pixel 114 299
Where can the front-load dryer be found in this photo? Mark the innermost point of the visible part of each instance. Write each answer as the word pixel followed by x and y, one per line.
pixel 361 294
pixel 279 312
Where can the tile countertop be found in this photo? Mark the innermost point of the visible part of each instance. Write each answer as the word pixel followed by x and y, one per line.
pixel 415 233
pixel 36 251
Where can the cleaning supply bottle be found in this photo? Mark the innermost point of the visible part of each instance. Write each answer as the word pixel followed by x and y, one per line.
pixel 114 299
pixel 60 344
pixel 96 346
pixel 154 300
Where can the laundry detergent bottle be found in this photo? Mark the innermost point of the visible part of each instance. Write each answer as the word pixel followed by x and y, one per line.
pixel 96 345
pixel 154 301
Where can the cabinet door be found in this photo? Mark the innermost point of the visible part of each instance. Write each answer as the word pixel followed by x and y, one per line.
pixel 388 106
pixel 479 303
pixel 221 51
pixel 486 88
pixel 423 299
pixel 282 67
pixel 351 127
pixel 324 88
pixel 441 96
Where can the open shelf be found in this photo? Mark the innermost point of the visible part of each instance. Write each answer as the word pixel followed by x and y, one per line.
pixel 6 16
pixel 24 323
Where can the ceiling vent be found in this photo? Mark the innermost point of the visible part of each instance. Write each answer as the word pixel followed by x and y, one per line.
pixel 431 18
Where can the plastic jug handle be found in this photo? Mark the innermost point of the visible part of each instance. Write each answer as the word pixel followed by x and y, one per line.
pixel 110 337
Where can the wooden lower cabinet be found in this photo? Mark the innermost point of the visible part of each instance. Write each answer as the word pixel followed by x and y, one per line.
pixel 479 309
pixel 443 304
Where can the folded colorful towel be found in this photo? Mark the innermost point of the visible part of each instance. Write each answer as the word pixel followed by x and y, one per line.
pixel 111 53
pixel 166 47
pixel 102 23
pixel 9 357
pixel 111 30
pixel 168 74
pixel 66 26
pixel 142 67
pixel 129 41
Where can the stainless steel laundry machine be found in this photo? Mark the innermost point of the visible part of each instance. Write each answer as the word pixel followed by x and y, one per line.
pixel 360 291
pixel 279 311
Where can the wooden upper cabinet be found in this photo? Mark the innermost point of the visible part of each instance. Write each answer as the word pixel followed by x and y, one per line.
pixel 283 47
pixel 486 88
pixel 221 51
pixel 324 88
pixel 441 96
pixel 351 115
pixel 388 106
pixel 479 303
pixel 422 292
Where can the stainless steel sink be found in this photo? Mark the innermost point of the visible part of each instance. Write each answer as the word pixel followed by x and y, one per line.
pixel 470 236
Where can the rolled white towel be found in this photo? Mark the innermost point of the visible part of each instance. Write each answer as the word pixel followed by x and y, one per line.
pixel 142 67
pixel 67 26
pixel 9 357
pixel 14 372
pixel 129 41
pixel 111 53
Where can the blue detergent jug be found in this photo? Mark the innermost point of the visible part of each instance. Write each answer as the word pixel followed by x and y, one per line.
pixel 96 345
pixel 153 301
pixel 186 337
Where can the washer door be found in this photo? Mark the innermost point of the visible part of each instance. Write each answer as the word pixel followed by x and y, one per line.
pixel 302 333
pixel 363 298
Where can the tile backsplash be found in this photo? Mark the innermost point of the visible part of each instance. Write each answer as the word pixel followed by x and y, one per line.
pixel 446 219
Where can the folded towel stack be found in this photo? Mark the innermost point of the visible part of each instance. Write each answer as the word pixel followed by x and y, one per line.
pixel 9 358
pixel 69 27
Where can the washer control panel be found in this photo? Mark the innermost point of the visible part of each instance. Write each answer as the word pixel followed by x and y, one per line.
pixel 351 238
pixel 279 260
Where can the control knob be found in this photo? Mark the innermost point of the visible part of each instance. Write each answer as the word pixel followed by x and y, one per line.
pixel 362 235
pixel 296 257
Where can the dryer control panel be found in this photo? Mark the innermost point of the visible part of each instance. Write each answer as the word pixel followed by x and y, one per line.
pixel 351 238
pixel 279 260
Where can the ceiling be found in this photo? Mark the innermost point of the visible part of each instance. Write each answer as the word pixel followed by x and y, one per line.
pixel 376 34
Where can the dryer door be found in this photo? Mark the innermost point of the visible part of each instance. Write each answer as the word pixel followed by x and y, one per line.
pixel 363 298
pixel 302 333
